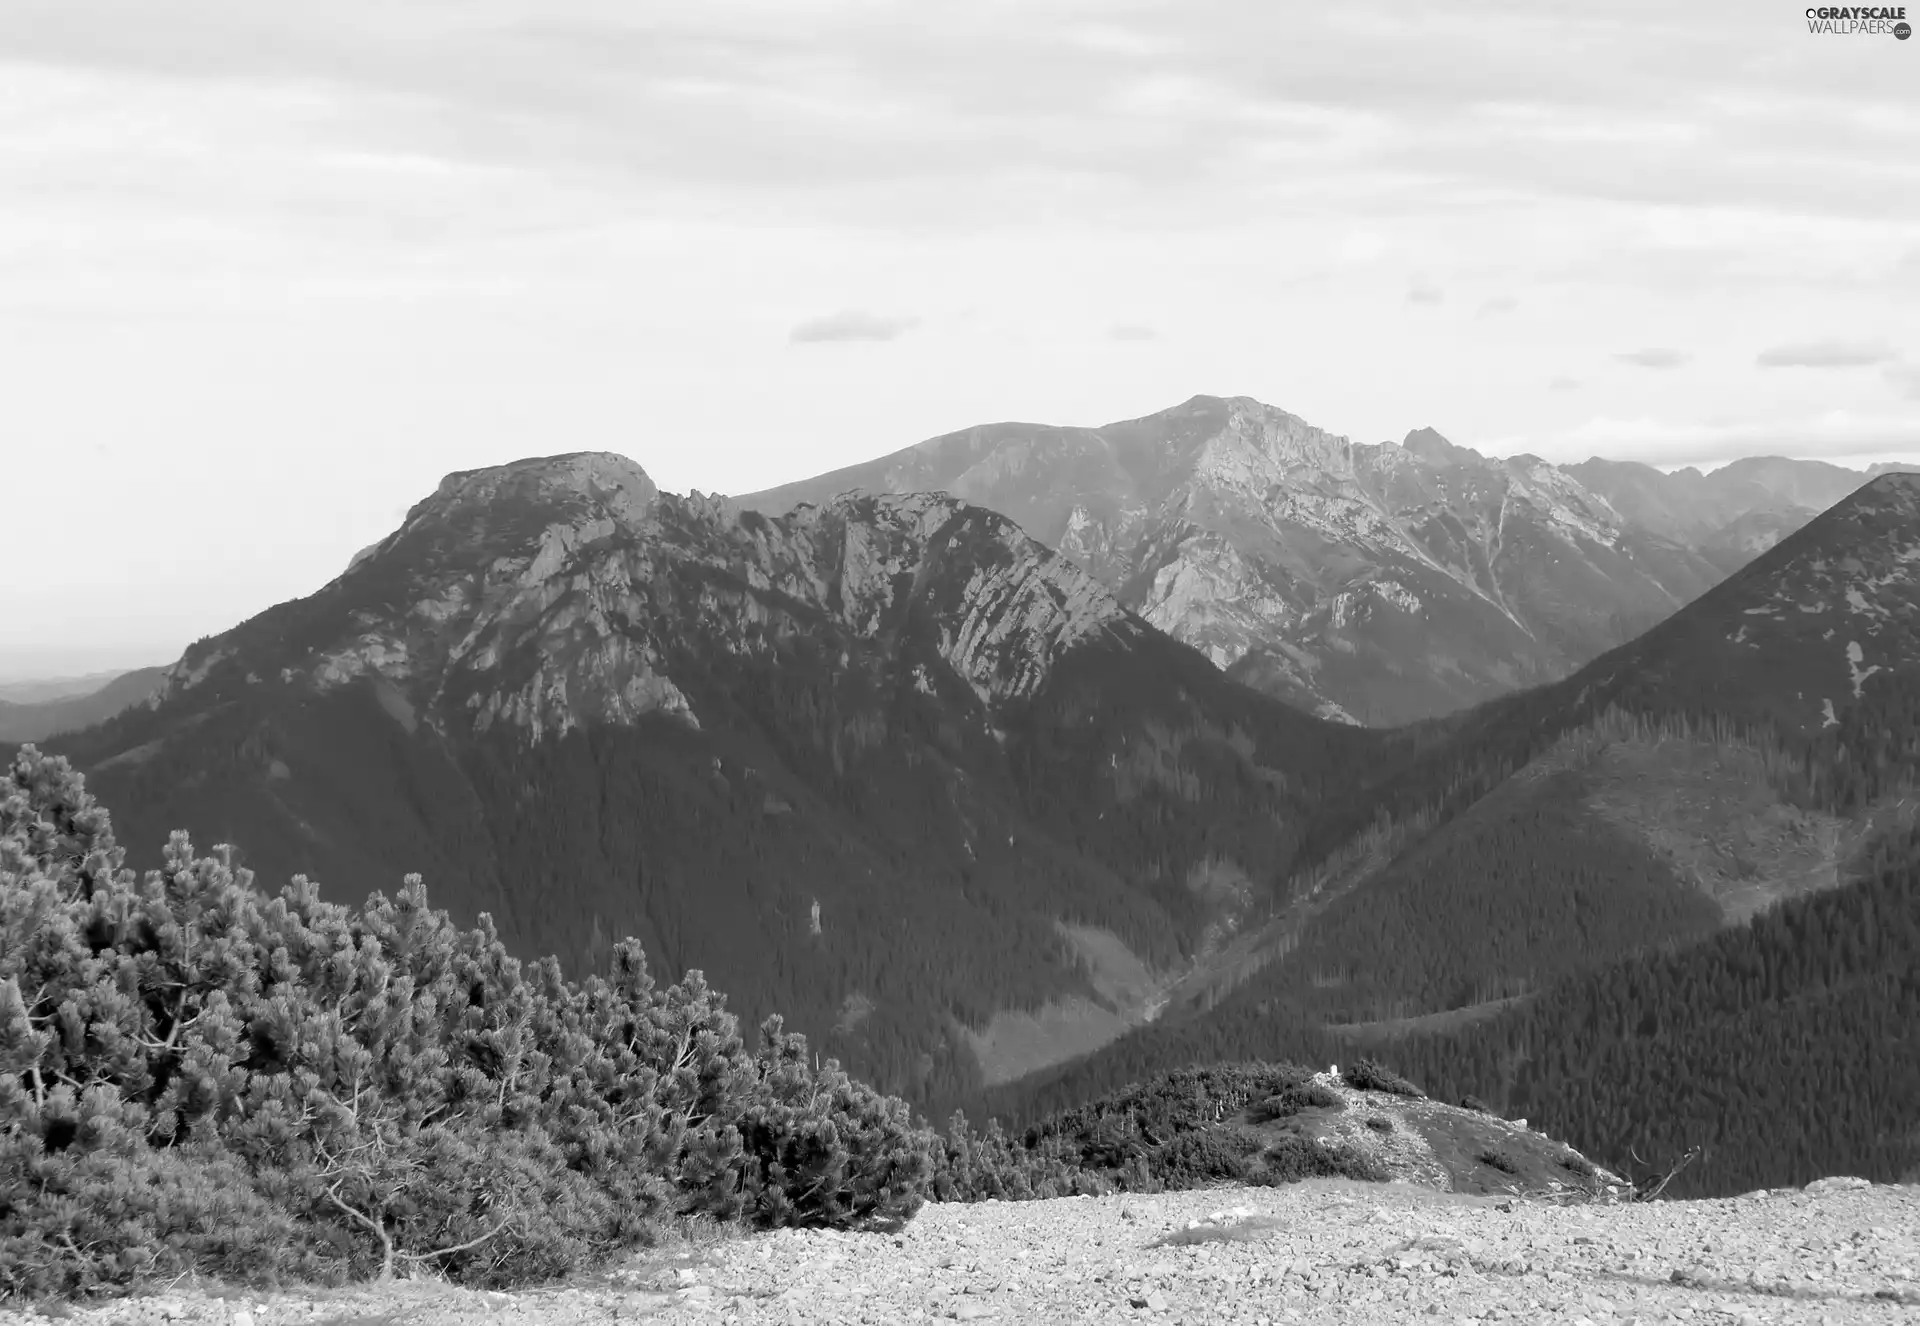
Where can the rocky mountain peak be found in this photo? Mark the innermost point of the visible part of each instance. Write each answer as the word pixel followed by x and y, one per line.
pixel 557 592
pixel 561 499
pixel 1262 444
pixel 1430 446
pixel 580 486
pixel 1390 581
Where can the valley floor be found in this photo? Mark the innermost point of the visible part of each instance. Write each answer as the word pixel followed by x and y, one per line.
pixel 1838 1251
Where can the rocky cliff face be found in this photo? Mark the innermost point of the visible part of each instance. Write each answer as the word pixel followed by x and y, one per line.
pixel 550 594
pixel 1367 583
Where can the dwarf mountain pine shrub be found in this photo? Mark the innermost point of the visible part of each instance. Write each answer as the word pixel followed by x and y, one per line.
pixel 1292 1159
pixel 1287 1103
pixel 1498 1159
pixel 196 1077
pixel 1208 1156
pixel 1366 1075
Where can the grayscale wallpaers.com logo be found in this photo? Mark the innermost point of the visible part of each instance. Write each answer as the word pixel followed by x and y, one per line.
pixel 1860 20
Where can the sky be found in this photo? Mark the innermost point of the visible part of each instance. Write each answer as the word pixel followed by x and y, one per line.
pixel 267 272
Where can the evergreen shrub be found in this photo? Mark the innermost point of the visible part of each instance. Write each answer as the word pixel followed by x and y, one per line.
pixel 195 1077
pixel 1292 1159
pixel 1366 1075
pixel 1284 1104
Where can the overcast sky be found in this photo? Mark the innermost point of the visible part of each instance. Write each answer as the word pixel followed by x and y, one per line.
pixel 267 271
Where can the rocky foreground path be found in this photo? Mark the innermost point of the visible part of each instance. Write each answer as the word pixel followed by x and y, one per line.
pixel 1837 1251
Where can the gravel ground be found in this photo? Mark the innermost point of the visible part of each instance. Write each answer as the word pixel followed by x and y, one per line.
pixel 1838 1251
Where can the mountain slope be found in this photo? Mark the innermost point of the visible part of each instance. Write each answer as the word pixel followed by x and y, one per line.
pixel 1795 636
pixel 1751 747
pixel 1755 756
pixel 32 720
pixel 886 765
pixel 1372 583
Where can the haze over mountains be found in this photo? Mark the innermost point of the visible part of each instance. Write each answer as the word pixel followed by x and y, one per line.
pixel 30 711
pixel 1372 583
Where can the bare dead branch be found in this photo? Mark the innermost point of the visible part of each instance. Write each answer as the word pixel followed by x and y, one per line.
pixel 379 1231
pixel 1660 1187
pixel 458 1247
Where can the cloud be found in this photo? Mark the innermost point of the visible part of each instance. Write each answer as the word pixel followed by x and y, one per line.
pixel 1826 354
pixel 1497 305
pixel 1832 433
pixel 850 103
pixel 1131 331
pixel 1658 357
pixel 1563 383
pixel 1905 379
pixel 1422 293
pixel 849 325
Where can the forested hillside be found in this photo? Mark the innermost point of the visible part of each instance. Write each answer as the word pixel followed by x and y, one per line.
pixel 1786 1049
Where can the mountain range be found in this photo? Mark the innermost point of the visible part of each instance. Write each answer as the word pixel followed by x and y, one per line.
pixel 1371 583
pixel 886 765
pixel 890 765
pixel 31 711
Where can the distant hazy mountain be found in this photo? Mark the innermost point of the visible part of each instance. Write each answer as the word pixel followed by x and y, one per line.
pixel 30 711
pixel 1731 515
pixel 38 690
pixel 1374 583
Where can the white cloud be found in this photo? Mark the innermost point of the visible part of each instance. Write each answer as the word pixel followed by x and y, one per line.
pixel 1826 354
pixel 849 325
pixel 1658 357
